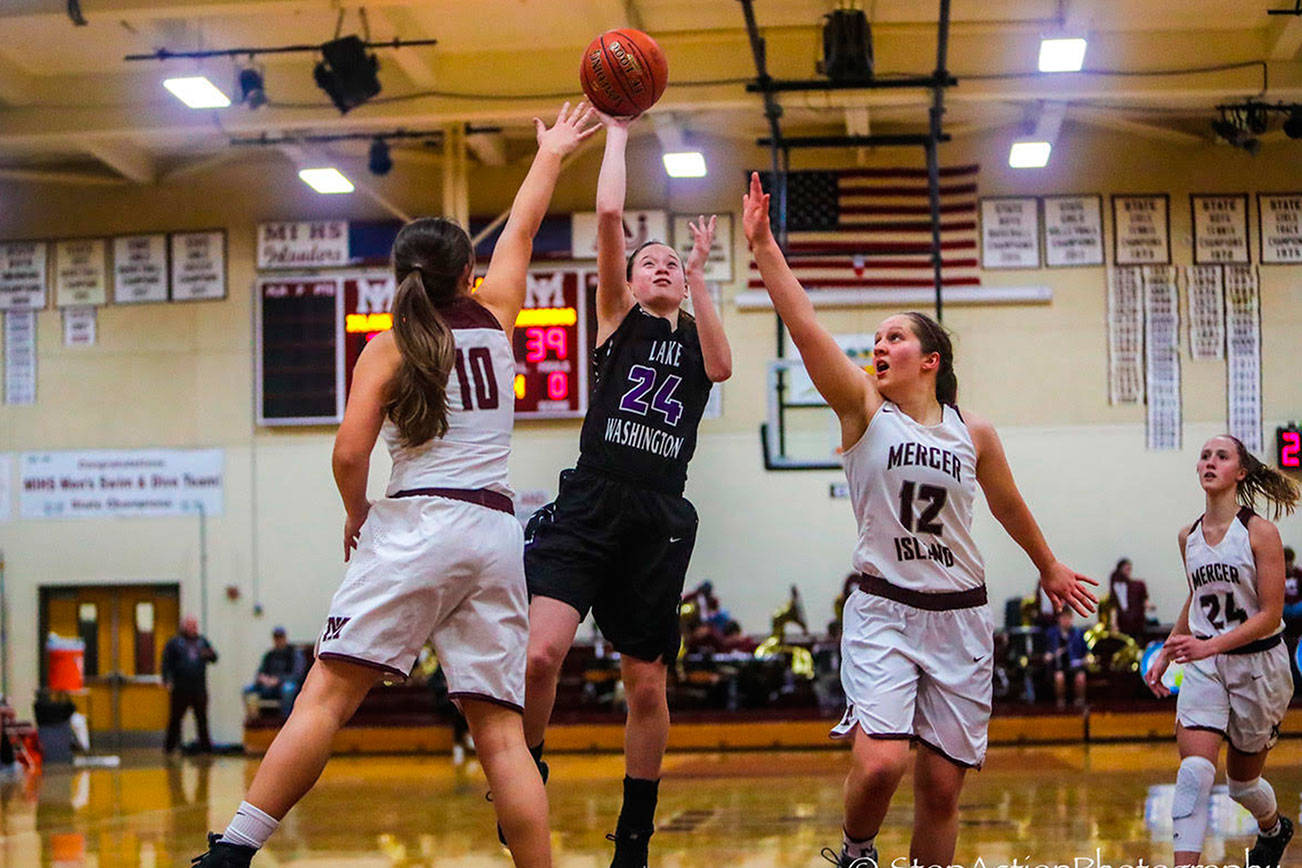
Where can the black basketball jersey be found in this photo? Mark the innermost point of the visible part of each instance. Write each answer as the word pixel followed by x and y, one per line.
pixel 649 391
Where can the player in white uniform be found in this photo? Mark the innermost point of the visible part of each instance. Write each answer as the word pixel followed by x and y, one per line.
pixel 916 645
pixel 1237 683
pixel 441 554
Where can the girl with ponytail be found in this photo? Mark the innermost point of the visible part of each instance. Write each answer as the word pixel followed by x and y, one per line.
pixel 917 635
pixel 441 555
pixel 1229 637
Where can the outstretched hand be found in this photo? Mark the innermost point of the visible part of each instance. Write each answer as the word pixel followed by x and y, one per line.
pixel 620 121
pixel 569 131
pixel 1066 587
pixel 755 213
pixel 702 238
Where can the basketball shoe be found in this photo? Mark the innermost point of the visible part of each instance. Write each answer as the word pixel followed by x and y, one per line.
pixel 1267 852
pixel 223 855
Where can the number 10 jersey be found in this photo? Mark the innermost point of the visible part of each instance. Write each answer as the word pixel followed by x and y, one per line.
pixel 913 487
pixel 650 389
pixel 1222 578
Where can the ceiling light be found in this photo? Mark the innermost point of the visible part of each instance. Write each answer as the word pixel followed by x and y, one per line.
pixel 379 161
pixel 327 180
pixel 347 73
pixel 685 164
pixel 1062 54
pixel 197 92
pixel 1029 155
pixel 252 91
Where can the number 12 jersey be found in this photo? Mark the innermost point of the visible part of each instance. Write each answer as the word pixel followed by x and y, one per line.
pixel 913 487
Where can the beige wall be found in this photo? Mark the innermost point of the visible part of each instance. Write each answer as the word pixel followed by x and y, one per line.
pixel 180 375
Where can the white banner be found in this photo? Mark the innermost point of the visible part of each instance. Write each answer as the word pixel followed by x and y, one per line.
pixel 1125 336
pixel 198 265
pixel 80 272
pixel 79 326
pixel 140 482
pixel 22 275
pixel 6 486
pixel 1073 231
pixel 1220 228
pixel 639 227
pixel 309 244
pixel 1243 339
pixel 718 265
pixel 1281 227
pixel 20 357
pixel 1162 357
pixel 1010 233
pixel 139 268
pixel 1206 312
pixel 1141 230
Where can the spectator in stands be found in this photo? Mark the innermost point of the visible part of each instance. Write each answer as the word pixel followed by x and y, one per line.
pixel 1065 657
pixel 8 761
pixel 1292 593
pixel 185 663
pixel 1129 601
pixel 280 675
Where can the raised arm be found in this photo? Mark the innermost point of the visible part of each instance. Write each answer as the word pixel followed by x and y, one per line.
pixel 503 289
pixel 714 343
pixel 846 387
pixel 614 298
pixel 1063 585
pixel 355 439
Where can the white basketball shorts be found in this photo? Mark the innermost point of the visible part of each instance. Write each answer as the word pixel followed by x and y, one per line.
pixel 435 568
pixel 916 674
pixel 1241 696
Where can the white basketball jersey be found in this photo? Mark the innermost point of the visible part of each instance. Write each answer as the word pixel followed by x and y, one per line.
pixel 1222 578
pixel 913 487
pixel 476 449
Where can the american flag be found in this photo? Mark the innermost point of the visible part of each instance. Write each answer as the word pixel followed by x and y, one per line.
pixel 871 228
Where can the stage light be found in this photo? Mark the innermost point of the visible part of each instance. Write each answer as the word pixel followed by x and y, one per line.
pixel 379 161
pixel 1029 155
pixel 347 73
pixel 197 92
pixel 1062 54
pixel 326 180
pixel 1293 125
pixel 685 164
pixel 1236 135
pixel 252 91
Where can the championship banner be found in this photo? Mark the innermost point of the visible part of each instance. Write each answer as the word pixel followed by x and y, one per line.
pixel 121 483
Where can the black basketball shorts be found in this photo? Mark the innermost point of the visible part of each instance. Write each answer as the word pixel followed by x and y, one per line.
pixel 618 550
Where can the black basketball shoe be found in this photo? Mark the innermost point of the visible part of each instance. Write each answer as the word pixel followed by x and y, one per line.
pixel 630 847
pixel 543 771
pixel 223 855
pixel 1267 851
pixel 843 860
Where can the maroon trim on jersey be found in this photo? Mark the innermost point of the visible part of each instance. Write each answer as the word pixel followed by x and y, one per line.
pixel 1254 646
pixel 941 601
pixel 358 661
pixel 468 313
pixel 484 697
pixel 936 750
pixel 1245 515
pixel 478 496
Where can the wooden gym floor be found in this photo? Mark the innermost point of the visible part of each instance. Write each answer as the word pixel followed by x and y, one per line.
pixel 1052 805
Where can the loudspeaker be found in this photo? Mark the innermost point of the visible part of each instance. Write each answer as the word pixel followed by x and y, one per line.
pixel 847 46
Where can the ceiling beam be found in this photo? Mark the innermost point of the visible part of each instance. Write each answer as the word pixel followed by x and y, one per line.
pixel 45 176
pixel 130 161
pixel 1111 120
pixel 410 60
pixel 1287 38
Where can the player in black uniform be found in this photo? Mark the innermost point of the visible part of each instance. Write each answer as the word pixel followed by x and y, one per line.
pixel 618 537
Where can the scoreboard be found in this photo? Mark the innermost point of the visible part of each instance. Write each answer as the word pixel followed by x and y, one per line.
pixel 1288 447
pixel 310 329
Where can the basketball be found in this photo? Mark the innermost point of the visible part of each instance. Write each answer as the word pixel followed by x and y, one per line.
pixel 623 72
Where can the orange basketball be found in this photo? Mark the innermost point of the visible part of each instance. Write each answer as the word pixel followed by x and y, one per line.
pixel 624 72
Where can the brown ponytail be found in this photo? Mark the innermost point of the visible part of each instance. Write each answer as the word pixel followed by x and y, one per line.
pixel 935 339
pixel 1278 490
pixel 430 259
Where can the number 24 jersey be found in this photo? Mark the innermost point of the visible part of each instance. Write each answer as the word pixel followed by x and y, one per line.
pixel 913 487
pixel 1222 578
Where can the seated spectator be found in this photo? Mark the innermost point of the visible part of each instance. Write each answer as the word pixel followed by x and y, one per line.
pixel 280 674
pixel 1292 593
pixel 1065 657
pixel 1129 601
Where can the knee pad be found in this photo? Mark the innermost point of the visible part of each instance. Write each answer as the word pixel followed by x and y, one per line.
pixel 1256 795
pixel 1190 806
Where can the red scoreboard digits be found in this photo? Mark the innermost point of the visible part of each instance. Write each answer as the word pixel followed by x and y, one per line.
pixel 1288 447
pixel 552 347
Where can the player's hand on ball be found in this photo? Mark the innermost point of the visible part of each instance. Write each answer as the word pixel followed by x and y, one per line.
pixel 353 529
pixel 1186 648
pixel 619 121
pixel 755 213
pixel 702 237
pixel 1155 672
pixel 1066 587
pixel 569 131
